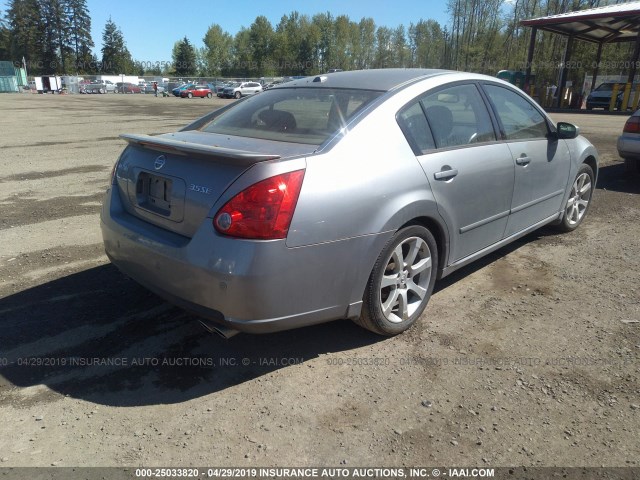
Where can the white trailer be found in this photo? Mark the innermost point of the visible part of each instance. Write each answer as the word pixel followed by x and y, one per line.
pixel 49 83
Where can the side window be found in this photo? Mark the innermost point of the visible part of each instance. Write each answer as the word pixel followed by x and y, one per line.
pixel 458 117
pixel 414 126
pixel 520 119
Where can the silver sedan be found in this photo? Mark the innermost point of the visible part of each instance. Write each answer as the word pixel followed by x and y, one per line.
pixel 344 195
pixel 629 145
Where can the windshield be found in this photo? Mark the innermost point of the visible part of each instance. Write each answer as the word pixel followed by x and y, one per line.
pixel 298 115
pixel 605 87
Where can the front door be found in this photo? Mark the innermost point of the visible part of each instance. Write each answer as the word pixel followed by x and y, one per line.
pixel 541 161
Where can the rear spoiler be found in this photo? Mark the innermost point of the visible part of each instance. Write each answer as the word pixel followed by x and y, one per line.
pixel 178 147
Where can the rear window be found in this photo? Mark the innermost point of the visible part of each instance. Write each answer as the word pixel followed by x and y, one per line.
pixel 298 115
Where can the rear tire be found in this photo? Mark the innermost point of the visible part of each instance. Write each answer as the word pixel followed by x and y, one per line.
pixel 401 282
pixel 209 95
pixel 579 199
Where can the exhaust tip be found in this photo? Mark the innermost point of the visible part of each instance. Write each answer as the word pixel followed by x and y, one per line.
pixel 218 329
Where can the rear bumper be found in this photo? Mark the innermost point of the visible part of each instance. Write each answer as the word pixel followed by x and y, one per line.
pixel 629 146
pixel 251 286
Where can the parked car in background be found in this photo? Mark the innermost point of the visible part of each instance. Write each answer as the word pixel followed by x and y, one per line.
pixel 629 145
pixel 178 90
pixel 220 88
pixel 214 86
pixel 241 89
pixel 94 86
pixel 127 87
pixel 266 86
pixel 601 96
pixel 201 91
pixel 149 88
pixel 363 186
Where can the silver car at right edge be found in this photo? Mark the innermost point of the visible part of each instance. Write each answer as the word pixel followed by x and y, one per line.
pixel 629 145
pixel 343 195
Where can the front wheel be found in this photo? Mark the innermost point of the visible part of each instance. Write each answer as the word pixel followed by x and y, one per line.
pixel 209 95
pixel 190 95
pixel 579 199
pixel 238 95
pixel 401 282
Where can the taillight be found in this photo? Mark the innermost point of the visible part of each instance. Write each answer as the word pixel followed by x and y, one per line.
pixel 632 125
pixel 262 211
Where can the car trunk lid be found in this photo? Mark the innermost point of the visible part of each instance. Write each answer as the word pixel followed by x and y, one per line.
pixel 174 180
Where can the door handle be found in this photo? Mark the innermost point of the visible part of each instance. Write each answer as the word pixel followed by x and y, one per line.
pixel 445 174
pixel 523 160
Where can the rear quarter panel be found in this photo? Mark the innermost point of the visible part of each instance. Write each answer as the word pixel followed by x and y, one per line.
pixel 368 185
pixel 370 182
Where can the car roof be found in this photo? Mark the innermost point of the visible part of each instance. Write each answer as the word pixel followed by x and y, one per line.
pixel 376 79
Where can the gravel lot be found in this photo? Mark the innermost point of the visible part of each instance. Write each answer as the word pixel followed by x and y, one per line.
pixel 528 357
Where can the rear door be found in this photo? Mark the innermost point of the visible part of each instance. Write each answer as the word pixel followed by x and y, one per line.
pixel 541 161
pixel 470 173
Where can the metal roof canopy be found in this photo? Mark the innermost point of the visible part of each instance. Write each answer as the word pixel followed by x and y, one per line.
pixel 610 24
pixel 601 25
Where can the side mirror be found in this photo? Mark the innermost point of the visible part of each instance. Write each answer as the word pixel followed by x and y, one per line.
pixel 567 131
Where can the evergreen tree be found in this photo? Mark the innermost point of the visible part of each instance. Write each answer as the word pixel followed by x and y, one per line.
pixel 261 42
pixel 399 45
pixel 26 30
pixel 243 62
pixel 115 55
pixel 55 35
pixel 344 47
pixel 368 43
pixel 308 50
pixel 326 45
pixel 80 35
pixel 5 50
pixel 184 58
pixel 384 50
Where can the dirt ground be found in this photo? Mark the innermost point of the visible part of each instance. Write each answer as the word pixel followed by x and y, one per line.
pixel 528 357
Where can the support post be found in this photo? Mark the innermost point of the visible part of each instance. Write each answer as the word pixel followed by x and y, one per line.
pixel 532 46
pixel 563 70
pixel 636 55
pixel 597 67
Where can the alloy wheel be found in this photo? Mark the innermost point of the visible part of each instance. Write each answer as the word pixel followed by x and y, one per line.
pixel 405 281
pixel 578 199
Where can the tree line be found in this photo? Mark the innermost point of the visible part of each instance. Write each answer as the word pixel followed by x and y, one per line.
pixel 481 36
pixel 52 35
